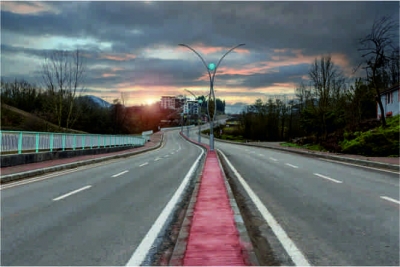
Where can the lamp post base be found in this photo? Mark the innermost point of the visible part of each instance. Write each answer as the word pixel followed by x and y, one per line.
pixel 211 141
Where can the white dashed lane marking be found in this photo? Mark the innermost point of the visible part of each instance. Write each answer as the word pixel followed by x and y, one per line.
pixel 73 192
pixel 328 178
pixel 390 199
pixel 118 174
pixel 293 166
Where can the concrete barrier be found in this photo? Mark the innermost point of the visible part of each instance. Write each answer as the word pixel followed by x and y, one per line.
pixel 26 158
pixel 29 174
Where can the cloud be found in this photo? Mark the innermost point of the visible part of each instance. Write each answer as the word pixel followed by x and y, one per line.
pixel 132 45
pixel 27 7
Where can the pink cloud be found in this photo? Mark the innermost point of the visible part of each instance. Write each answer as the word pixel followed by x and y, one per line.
pixel 106 75
pixel 277 62
pixel 117 57
pixel 26 7
pixel 206 50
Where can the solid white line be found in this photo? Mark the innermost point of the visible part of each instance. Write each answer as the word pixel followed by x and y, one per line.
pixel 157 159
pixel 328 178
pixel 260 154
pixel 390 199
pixel 118 174
pixel 166 156
pixel 294 253
pixel 144 246
pixel 351 164
pixel 273 159
pixel 141 165
pixel 291 165
pixel 73 192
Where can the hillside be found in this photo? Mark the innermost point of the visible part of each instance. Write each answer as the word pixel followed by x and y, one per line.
pixel 14 119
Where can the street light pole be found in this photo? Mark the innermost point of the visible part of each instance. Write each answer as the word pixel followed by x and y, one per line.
pixel 211 69
pixel 199 102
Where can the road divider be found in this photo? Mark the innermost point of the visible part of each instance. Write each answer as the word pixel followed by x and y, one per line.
pixel 213 231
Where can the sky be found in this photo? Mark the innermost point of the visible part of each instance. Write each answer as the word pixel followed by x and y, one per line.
pixel 131 47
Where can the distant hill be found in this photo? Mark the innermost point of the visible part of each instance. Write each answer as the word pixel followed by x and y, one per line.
pixel 98 101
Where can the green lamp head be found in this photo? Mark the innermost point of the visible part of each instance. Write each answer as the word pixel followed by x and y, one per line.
pixel 211 66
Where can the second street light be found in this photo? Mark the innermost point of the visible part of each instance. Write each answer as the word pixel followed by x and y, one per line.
pixel 199 105
pixel 211 69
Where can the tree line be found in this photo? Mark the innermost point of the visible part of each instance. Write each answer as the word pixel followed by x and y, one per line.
pixel 329 104
pixel 59 99
pixel 81 112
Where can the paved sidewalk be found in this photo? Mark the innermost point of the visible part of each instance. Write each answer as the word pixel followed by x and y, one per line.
pixel 388 163
pixel 155 140
pixel 389 160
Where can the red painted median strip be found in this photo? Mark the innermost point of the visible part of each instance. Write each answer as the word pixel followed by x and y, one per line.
pixel 213 237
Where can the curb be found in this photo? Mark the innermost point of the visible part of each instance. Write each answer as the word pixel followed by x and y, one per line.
pixel 248 253
pixel 180 247
pixel 315 154
pixel 28 174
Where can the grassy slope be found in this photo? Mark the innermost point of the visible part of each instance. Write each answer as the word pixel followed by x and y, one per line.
pixel 375 142
pixel 18 120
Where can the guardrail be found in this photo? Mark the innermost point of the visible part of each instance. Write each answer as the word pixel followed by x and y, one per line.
pixel 18 141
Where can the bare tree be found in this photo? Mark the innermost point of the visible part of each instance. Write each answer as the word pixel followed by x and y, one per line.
pixel 377 48
pixel 62 75
pixel 394 67
pixel 328 86
pixel 119 113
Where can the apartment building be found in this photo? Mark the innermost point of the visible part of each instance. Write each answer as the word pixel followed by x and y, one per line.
pixel 167 102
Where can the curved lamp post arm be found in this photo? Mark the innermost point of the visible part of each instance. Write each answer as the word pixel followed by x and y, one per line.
pixel 219 62
pixel 191 93
pixel 194 51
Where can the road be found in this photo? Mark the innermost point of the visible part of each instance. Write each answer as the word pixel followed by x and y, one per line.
pixel 335 214
pixel 94 215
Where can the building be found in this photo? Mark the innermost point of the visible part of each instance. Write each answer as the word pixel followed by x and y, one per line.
pixel 167 102
pixel 391 102
pixel 179 101
pixel 191 107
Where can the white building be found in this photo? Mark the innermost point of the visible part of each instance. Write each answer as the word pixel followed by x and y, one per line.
pixel 191 107
pixel 391 102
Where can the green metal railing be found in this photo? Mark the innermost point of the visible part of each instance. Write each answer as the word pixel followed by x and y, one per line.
pixel 20 142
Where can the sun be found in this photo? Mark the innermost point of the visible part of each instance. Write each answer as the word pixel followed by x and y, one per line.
pixel 149 101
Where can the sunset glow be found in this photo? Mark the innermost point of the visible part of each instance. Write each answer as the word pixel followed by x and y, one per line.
pixel 133 47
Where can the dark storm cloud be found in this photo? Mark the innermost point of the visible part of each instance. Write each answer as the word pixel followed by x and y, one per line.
pixel 122 32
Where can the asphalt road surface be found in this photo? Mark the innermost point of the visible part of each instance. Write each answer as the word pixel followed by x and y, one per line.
pixel 335 214
pixel 93 215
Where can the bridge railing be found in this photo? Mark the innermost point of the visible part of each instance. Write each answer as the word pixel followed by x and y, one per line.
pixel 21 141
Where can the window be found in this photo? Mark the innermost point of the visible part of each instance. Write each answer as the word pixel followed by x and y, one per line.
pixel 388 98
